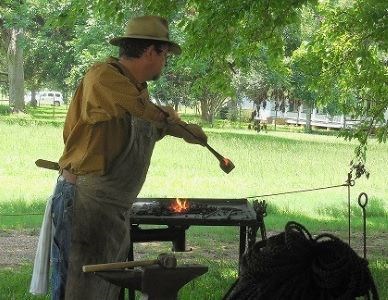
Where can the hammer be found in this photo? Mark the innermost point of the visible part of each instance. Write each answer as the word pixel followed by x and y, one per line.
pixel 164 260
pixel 225 164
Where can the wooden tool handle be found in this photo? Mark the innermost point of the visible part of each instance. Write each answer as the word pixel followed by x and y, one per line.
pixel 42 163
pixel 118 265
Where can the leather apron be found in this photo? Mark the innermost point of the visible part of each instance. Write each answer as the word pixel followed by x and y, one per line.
pixel 100 230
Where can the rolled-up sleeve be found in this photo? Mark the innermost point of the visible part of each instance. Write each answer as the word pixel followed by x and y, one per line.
pixel 108 94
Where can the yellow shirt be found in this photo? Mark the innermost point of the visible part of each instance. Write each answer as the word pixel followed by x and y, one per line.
pixel 95 132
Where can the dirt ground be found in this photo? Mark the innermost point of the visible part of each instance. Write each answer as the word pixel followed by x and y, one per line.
pixel 18 247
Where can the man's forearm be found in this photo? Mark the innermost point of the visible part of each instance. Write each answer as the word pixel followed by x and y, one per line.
pixel 177 130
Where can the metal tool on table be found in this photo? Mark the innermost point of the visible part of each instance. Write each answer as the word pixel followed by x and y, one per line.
pixel 225 164
pixel 164 260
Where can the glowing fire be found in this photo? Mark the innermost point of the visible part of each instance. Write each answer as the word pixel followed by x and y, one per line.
pixel 226 161
pixel 179 205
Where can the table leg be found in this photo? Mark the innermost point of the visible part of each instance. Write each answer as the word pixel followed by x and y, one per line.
pixel 131 293
pixel 243 242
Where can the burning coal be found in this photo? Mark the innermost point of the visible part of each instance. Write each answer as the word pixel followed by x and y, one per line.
pixel 179 205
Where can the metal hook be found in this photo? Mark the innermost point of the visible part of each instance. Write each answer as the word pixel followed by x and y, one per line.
pixel 363 204
pixel 350 181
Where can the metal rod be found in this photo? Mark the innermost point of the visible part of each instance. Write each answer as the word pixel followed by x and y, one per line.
pixel 363 206
pixel 349 230
pixel 350 182
pixel 299 191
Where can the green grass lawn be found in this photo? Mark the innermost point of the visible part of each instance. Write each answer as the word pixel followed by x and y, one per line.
pixel 265 163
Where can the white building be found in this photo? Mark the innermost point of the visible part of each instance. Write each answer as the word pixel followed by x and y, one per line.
pixel 294 116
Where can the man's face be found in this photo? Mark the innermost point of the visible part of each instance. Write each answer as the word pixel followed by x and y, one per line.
pixel 159 62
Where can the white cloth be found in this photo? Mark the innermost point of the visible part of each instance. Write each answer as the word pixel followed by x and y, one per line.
pixel 40 274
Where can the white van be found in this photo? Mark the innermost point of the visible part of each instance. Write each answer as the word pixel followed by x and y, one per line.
pixel 50 98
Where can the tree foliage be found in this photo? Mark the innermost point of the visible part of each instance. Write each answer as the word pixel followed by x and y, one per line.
pixel 218 37
pixel 350 50
pixel 331 53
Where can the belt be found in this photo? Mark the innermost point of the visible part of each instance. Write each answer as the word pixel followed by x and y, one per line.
pixel 69 177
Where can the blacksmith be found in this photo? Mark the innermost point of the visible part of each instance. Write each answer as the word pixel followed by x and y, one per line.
pixel 109 135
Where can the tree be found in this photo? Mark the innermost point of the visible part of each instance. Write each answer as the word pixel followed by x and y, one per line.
pixel 303 74
pixel 217 46
pixel 31 48
pixel 341 61
pixel 302 69
pixel 47 56
pixel 11 39
pixel 48 52
pixel 174 87
pixel 350 49
pixel 252 28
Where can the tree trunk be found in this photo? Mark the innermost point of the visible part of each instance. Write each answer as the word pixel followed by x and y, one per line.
pixel 276 116
pixel 232 111
pixel 307 128
pixel 15 69
pixel 204 110
pixel 33 102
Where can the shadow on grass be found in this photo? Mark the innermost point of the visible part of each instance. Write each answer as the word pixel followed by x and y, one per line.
pixel 53 116
pixel 47 113
pixel 374 208
pixel 331 218
pixel 35 122
pixel 21 214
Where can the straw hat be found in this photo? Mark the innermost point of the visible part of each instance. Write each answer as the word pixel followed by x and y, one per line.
pixel 149 28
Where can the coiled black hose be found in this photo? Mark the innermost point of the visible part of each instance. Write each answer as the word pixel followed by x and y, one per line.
pixel 294 265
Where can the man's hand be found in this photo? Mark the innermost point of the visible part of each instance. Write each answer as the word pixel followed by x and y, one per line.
pixel 173 117
pixel 200 136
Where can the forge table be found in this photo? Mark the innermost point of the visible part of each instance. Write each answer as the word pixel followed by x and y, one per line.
pixel 249 217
